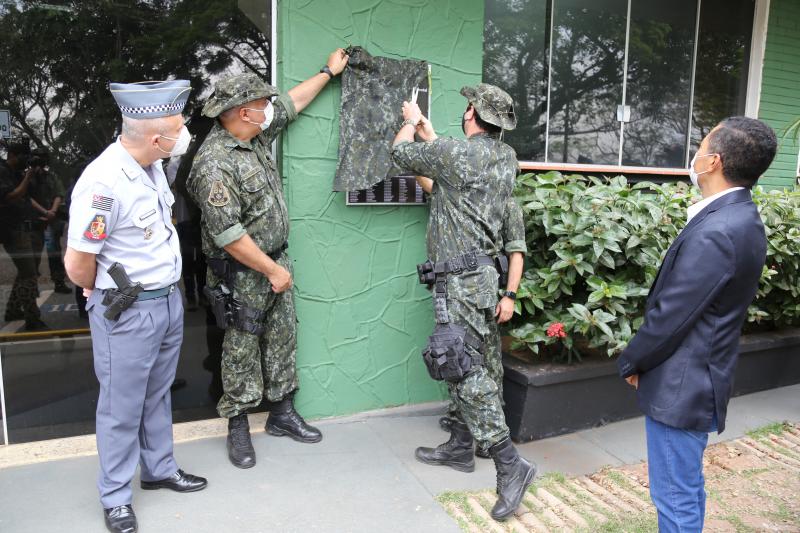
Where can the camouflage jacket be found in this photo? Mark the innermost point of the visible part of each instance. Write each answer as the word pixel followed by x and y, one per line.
pixel 473 179
pixel 513 232
pixel 238 189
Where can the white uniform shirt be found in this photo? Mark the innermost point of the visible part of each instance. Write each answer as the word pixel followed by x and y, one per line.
pixel 120 214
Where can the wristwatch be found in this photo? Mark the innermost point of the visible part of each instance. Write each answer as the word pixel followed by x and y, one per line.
pixel 408 122
pixel 510 294
pixel 326 70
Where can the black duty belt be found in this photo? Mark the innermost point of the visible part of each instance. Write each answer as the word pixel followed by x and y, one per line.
pixel 435 274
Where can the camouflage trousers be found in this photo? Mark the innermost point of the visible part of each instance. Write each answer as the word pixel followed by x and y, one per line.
pixel 492 360
pixel 256 367
pixel 476 397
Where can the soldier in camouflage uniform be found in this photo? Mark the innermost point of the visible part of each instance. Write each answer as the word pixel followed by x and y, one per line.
pixel 475 178
pixel 235 182
pixel 513 236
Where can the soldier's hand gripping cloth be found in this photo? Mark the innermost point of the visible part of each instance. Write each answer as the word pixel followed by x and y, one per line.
pixel 373 89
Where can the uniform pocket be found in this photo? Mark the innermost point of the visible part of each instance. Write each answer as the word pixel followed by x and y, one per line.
pixel 478 287
pixel 254 180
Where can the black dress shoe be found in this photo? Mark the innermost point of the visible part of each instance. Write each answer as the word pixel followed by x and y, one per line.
pixel 285 421
pixel 180 481
pixel 120 519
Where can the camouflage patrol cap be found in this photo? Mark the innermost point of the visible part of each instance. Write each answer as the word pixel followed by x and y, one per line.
pixel 493 105
pixel 237 90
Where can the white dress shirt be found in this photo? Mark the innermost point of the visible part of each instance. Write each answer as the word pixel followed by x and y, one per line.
pixel 695 209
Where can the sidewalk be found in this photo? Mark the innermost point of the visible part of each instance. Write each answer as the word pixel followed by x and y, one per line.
pixel 361 478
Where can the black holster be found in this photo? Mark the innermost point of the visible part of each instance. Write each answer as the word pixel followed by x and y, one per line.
pixel 125 295
pixel 452 353
pixel 228 311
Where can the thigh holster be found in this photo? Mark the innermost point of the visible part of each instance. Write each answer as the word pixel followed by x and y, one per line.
pixel 452 352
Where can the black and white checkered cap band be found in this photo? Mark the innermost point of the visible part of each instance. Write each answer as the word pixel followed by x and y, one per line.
pixel 149 109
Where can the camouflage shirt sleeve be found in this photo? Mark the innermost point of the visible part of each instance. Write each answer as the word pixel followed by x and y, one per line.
pixel 441 160
pixel 513 228
pixel 213 190
pixel 285 113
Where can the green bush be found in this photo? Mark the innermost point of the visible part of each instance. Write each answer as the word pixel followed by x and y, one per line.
pixel 594 246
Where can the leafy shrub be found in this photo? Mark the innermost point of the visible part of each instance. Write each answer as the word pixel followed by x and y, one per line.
pixel 594 247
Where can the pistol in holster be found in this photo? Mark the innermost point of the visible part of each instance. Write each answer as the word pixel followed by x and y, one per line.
pixel 119 299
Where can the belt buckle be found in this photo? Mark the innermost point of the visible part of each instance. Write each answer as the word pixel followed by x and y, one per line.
pixel 171 289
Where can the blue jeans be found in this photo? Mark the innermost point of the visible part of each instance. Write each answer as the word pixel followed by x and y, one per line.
pixel 675 468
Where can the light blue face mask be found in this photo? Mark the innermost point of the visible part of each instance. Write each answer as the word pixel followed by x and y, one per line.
pixel 693 174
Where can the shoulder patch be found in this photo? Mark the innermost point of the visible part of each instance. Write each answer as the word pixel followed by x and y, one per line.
pixel 218 196
pixel 103 203
pixel 96 230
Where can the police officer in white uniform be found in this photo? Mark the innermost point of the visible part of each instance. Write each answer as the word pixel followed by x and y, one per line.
pixel 121 213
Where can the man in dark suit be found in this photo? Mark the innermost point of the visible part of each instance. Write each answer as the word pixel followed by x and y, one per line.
pixel 683 358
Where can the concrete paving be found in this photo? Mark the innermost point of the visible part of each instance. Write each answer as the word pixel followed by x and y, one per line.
pixel 361 478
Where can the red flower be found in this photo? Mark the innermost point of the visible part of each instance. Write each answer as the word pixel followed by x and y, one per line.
pixel 556 329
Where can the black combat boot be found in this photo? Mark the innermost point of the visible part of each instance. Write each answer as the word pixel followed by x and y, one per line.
pixel 446 423
pixel 456 453
pixel 285 421
pixel 514 476
pixel 240 448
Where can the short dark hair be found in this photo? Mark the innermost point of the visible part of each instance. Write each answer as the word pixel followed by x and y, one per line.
pixel 746 147
pixel 490 128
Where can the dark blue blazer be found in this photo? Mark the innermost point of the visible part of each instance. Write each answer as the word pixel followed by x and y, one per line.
pixel 686 350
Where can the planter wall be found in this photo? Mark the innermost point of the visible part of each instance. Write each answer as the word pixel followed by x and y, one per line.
pixel 545 400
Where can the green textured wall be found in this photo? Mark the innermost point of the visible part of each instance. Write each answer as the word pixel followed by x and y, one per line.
pixel 780 87
pixel 363 318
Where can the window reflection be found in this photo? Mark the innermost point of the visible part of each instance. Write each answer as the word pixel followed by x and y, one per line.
pixel 62 117
pixel 586 85
pixel 515 58
pixel 659 76
pixel 723 60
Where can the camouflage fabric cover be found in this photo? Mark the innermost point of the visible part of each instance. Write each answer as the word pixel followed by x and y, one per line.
pixel 373 91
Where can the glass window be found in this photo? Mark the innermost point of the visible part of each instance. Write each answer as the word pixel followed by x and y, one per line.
pixel 62 117
pixel 595 118
pixel 660 49
pixel 515 58
pixel 723 62
pixel 586 83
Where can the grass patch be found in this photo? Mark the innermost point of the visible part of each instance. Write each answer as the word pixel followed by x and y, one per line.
pixel 737 523
pixel 643 523
pixel 783 514
pixel 771 429
pixel 749 473
pixel 620 480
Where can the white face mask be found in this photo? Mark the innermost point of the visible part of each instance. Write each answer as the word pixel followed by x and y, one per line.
pixel 693 174
pixel 269 114
pixel 181 143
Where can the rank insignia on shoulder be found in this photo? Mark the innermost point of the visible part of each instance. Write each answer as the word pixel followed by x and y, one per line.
pixel 219 195
pixel 96 230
